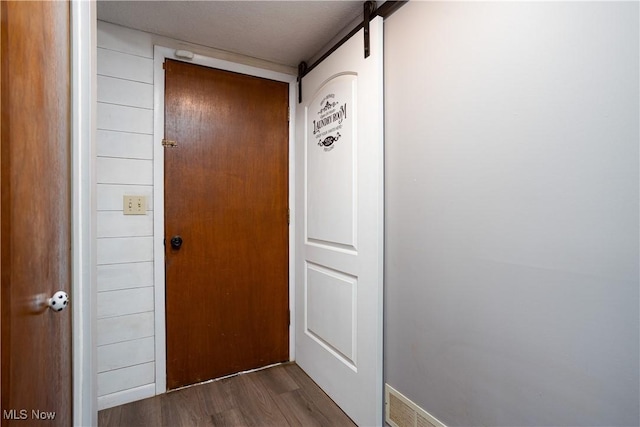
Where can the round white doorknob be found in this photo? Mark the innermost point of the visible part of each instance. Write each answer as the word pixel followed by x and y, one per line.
pixel 58 301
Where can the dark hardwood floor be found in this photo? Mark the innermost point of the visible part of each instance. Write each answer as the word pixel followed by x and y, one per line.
pixel 279 396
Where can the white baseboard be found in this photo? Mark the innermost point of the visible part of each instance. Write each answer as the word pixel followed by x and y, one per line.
pixel 126 396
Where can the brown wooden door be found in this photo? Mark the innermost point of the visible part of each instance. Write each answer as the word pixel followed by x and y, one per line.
pixel 35 212
pixel 226 192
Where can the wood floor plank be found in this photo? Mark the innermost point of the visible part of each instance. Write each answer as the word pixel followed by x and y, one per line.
pixel 142 413
pixel 232 417
pixel 277 379
pixel 298 410
pixel 110 417
pixel 216 396
pixel 278 396
pixel 326 409
pixel 182 408
pixel 315 394
pixel 258 407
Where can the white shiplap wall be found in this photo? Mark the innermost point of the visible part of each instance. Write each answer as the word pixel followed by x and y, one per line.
pixel 126 365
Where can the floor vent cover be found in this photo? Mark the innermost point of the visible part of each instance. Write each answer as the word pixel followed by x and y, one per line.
pixel 402 412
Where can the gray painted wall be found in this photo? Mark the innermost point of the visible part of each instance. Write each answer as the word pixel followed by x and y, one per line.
pixel 512 220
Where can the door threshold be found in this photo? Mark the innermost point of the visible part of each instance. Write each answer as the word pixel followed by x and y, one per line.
pixel 229 376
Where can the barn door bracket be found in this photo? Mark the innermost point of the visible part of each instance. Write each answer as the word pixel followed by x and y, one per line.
pixel 302 70
pixel 369 10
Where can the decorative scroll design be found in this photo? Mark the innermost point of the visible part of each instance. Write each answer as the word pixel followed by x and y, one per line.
pixel 329 120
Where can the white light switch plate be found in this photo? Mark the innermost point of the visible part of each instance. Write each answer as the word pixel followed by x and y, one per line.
pixel 135 205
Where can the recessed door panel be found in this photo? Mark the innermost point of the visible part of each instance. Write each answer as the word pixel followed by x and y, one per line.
pixel 331 311
pixel 331 150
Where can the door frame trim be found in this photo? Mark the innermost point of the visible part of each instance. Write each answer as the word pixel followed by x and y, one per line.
pixel 83 45
pixel 160 53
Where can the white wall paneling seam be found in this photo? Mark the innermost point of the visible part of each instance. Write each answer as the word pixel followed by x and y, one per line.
pixel 124 66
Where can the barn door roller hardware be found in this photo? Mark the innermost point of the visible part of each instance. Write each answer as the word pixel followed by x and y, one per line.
pixel 369 9
pixel 370 12
pixel 302 71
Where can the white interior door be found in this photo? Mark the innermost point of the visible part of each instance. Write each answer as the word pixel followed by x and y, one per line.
pixel 339 231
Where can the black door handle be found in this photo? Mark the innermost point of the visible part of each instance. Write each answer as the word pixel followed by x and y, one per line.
pixel 176 242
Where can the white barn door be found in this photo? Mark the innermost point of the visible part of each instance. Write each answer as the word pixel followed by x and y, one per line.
pixel 339 229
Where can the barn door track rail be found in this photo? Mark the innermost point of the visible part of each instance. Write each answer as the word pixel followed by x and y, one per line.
pixel 370 11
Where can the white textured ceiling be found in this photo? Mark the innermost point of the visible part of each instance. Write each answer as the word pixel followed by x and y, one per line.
pixel 284 32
